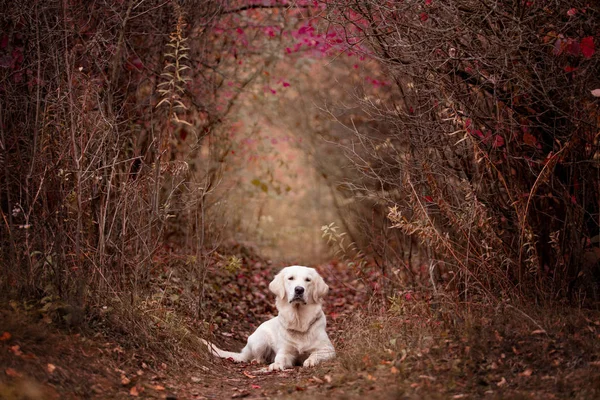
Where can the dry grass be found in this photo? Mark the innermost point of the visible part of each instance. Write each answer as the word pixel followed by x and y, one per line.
pixel 420 351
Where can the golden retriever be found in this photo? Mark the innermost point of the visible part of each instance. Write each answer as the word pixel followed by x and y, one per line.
pixel 297 335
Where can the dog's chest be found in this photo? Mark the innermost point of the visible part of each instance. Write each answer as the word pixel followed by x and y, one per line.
pixel 300 342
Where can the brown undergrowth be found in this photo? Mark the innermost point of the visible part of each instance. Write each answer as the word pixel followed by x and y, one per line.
pixel 418 351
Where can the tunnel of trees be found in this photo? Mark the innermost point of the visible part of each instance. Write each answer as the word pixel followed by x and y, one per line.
pixel 457 133
pixel 446 147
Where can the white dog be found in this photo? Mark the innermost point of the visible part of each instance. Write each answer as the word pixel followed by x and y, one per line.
pixel 297 335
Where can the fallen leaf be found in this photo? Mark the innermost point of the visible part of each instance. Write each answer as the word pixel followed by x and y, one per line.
pixel 498 141
pixel 12 373
pixel 587 47
pixel 327 378
pixel 125 380
pixel 595 93
pixel 50 368
pixel 595 363
pixel 318 380
pixel 527 372
pixel 195 379
pixel 134 391
pixel 394 370
pixel 538 332
pixel 16 349
pixel 249 375
pixel 556 362
pixel 255 386
pixel 159 388
pixel 7 335
pixel 502 382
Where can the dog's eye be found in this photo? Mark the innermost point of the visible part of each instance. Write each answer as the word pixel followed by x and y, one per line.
pixel 291 278
pixel 307 279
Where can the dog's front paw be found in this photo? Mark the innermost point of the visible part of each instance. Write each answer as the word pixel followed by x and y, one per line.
pixel 310 362
pixel 276 367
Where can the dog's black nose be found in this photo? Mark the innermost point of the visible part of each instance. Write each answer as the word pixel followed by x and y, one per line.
pixel 299 290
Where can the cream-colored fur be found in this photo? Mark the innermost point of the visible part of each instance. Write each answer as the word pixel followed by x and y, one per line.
pixel 297 335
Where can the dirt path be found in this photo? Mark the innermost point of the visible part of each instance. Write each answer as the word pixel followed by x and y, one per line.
pixel 416 349
pixel 395 361
pixel 38 362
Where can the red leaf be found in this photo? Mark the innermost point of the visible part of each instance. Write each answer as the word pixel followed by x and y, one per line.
pixel 423 16
pixel 573 47
pixel 428 2
pixel 428 199
pixel 587 46
pixel 134 63
pixel 572 12
pixel 498 141
pixel 477 133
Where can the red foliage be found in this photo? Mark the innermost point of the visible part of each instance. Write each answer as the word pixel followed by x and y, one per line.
pixel 587 47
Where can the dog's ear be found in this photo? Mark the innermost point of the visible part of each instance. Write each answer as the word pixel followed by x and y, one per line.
pixel 320 289
pixel 276 286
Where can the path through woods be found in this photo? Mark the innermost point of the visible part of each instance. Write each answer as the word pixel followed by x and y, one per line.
pixel 426 350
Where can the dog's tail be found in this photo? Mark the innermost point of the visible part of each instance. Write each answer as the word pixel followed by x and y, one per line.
pixel 237 357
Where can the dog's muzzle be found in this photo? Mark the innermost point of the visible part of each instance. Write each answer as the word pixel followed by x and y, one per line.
pixel 298 295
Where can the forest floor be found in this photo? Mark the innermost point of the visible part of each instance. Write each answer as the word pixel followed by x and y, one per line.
pixel 415 348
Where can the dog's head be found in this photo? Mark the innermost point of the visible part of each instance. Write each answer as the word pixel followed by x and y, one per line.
pixel 298 284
